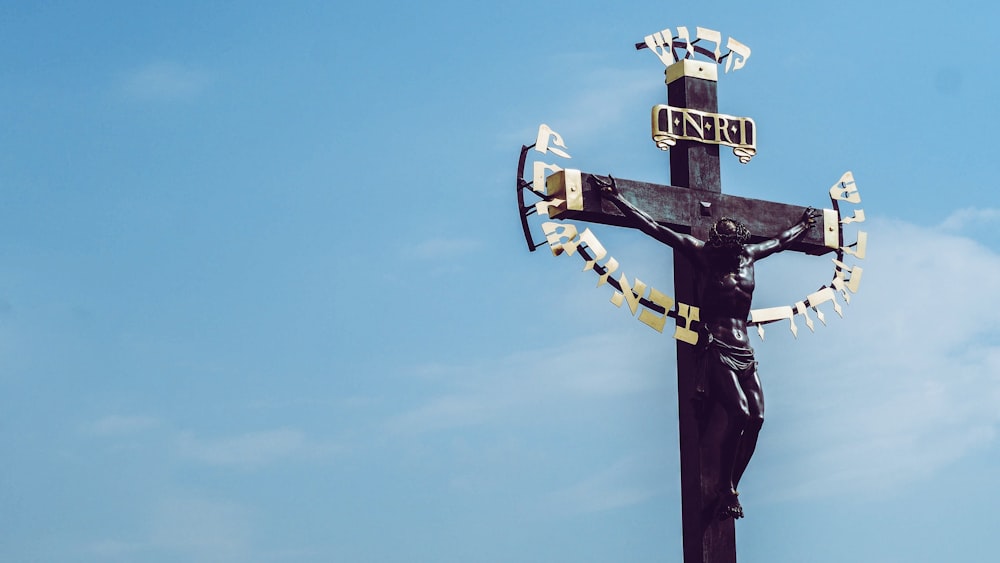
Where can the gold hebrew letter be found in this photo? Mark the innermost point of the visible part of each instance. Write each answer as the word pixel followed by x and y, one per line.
pixel 594 248
pixel 661 44
pixel 822 296
pixel 684 332
pixel 736 48
pixel 854 276
pixel 858 217
pixel 846 189
pixel 859 247
pixel 545 134
pixel 714 37
pixel 597 252
pixel 682 33
pixel 630 295
pixel 609 267
pixel 761 316
pixel 838 284
pixel 551 207
pixel 801 309
pixel 556 232
pixel 652 319
pixel 538 176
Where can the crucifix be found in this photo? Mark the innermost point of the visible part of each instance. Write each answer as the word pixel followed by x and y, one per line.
pixel 716 239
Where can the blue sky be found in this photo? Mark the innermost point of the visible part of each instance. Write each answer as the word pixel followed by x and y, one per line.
pixel 264 295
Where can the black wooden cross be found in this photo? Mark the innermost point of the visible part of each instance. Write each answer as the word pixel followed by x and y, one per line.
pixel 692 204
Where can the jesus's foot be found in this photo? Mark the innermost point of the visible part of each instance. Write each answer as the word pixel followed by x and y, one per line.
pixel 729 505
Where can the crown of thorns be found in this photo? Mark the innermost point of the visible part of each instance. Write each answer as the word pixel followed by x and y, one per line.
pixel 729 240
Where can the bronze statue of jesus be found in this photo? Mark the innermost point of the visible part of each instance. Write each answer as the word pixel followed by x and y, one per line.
pixel 727 369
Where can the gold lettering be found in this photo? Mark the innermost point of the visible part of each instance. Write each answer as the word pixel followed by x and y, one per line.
pixel 684 332
pixel 694 120
pixel 713 36
pixel 838 284
pixel 822 296
pixel 608 268
pixel 737 48
pixel 854 275
pixel 857 217
pixel 859 247
pixel 746 135
pixel 682 33
pixel 722 130
pixel 801 309
pixel 652 319
pixel 846 189
pixel 630 295
pixel 762 316
pixel 545 134
pixel 538 177
pixel 660 43
pixel 551 207
pixel 556 232
pixel 633 295
pixel 594 248
pixel 596 252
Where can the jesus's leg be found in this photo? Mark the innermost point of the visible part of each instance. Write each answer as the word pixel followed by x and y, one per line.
pixel 748 443
pixel 726 390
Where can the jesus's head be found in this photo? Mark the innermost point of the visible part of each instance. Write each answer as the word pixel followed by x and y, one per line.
pixel 729 234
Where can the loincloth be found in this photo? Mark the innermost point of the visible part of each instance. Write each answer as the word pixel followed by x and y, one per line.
pixel 715 353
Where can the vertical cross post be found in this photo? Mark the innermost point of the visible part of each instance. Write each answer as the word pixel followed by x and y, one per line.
pixel 693 85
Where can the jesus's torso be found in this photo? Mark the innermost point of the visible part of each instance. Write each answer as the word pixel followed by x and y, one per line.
pixel 727 291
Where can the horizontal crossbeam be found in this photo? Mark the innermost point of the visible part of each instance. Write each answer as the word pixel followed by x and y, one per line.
pixel 682 209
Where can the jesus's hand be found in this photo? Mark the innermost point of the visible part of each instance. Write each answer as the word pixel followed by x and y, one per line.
pixel 809 217
pixel 608 187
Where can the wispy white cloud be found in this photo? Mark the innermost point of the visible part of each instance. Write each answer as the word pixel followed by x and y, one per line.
pixel 601 365
pixel 189 528
pixel 165 82
pixel 970 217
pixel 271 403
pixel 442 248
pixel 454 410
pixel 608 95
pixel 252 448
pixel 120 425
pixel 246 449
pixel 203 530
pixel 115 548
pixel 497 417
pixel 605 97
pixel 627 482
